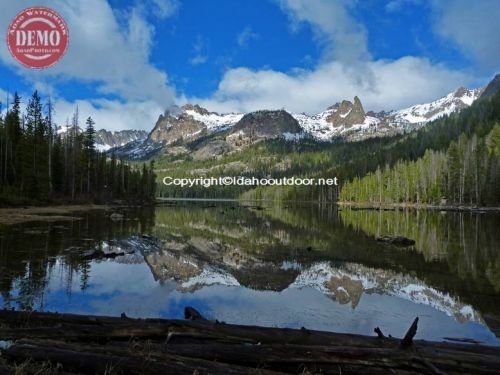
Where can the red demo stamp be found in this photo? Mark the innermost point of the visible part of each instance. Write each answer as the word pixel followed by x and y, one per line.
pixel 38 37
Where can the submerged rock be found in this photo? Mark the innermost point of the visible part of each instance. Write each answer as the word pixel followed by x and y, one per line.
pixel 396 240
pixel 115 216
pixel 132 245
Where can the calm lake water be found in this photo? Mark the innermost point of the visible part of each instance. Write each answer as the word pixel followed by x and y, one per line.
pixel 307 265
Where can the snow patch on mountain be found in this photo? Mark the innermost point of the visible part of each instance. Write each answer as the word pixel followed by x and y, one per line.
pixel 137 150
pixel 211 276
pixel 102 148
pixel 318 126
pixel 60 130
pixel 293 137
pixel 215 121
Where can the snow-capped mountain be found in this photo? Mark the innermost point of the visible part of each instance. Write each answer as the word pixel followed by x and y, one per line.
pixel 106 140
pixel 213 120
pixel 338 121
pixel 189 123
pixel 422 113
pixel 345 121
pixel 342 120
pixel 217 133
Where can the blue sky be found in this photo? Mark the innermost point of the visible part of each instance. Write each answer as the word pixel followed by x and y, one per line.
pixel 130 60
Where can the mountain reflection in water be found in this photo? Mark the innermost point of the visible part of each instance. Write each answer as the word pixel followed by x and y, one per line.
pixel 307 265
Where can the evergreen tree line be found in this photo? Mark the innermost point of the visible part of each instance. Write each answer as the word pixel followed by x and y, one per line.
pixel 467 173
pixel 39 165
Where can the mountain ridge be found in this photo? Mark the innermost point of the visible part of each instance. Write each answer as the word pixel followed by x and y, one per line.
pixel 106 140
pixel 346 121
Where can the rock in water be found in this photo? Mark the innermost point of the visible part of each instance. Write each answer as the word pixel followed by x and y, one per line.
pixel 115 216
pixel 396 240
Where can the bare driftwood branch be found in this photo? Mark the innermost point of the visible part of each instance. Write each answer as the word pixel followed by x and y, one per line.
pixel 410 334
pixel 192 314
pixel 379 333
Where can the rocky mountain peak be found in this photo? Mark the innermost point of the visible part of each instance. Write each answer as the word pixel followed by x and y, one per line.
pixel 267 124
pixel 347 113
pixel 334 107
pixel 492 88
pixel 106 139
pixel 196 108
pixel 170 128
pixel 344 108
pixel 171 112
pixel 460 92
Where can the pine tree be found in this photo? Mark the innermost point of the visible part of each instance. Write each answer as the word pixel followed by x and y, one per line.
pixel 34 138
pixel 12 139
pixel 50 135
pixel 89 150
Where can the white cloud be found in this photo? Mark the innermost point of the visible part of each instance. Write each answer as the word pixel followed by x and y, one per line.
pixel 398 5
pixel 344 38
pixel 346 70
pixel 3 102
pixel 473 26
pixel 200 51
pixel 111 55
pixel 395 84
pixel 110 114
pixel 165 8
pixel 198 60
pixel 246 36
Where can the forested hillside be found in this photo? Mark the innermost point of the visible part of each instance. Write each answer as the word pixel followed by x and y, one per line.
pixel 38 165
pixel 468 172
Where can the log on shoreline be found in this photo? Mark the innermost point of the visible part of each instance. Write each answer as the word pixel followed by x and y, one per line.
pixel 88 344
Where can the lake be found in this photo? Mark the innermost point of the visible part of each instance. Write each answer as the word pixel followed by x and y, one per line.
pixel 301 265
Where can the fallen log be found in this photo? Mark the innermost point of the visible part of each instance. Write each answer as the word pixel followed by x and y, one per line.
pixel 16 325
pixel 72 358
pixel 289 359
pixel 83 344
